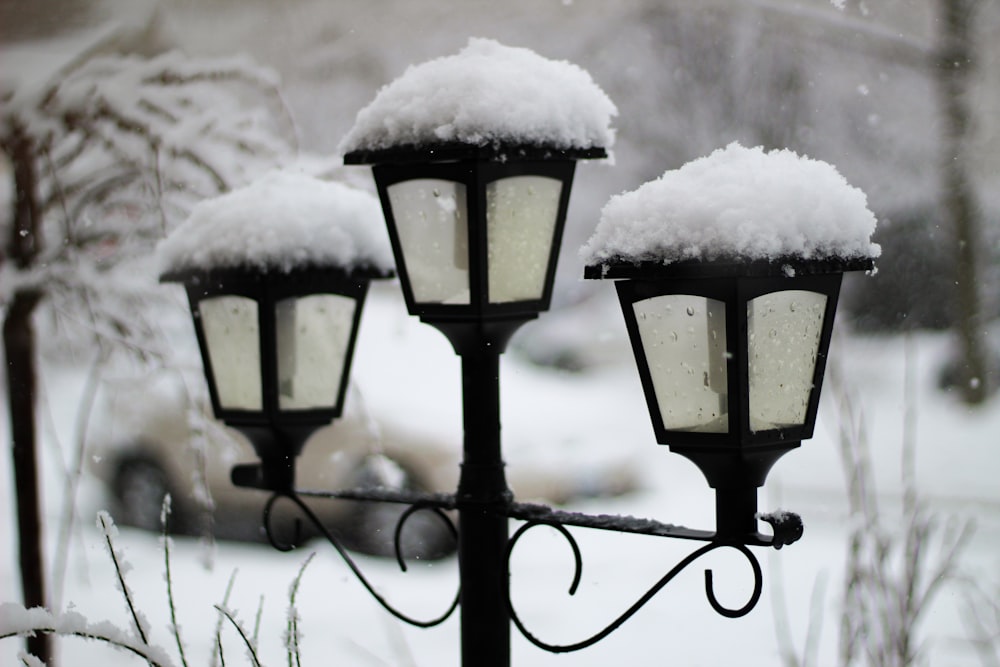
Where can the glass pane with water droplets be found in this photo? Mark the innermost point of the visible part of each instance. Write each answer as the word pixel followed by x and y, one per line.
pixel 232 333
pixel 783 340
pixel 521 216
pixel 684 340
pixel 313 333
pixel 431 220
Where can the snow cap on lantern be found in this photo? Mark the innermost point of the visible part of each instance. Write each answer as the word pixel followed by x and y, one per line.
pixel 281 221
pixel 738 203
pixel 487 93
pixel 473 155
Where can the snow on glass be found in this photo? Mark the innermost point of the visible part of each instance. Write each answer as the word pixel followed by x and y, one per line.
pixel 284 220
pixel 487 93
pixel 737 203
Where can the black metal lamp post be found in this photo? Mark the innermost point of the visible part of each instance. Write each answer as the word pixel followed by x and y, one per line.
pixel 731 356
pixel 475 231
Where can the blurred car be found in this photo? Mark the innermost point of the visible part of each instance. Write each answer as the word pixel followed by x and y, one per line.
pixel 149 440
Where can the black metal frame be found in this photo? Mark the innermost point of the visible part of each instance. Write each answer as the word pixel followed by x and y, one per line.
pixel 475 167
pixel 481 632
pixel 478 332
pixel 735 463
pixel 277 435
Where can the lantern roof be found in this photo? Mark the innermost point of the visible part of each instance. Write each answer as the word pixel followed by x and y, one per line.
pixel 738 205
pixel 283 221
pixel 486 94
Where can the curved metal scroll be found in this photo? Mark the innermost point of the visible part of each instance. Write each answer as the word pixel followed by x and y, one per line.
pixel 618 622
pixel 315 521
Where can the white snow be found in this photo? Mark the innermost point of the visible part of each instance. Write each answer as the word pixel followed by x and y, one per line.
pixel 486 93
pixel 283 220
pixel 16 620
pixel 737 203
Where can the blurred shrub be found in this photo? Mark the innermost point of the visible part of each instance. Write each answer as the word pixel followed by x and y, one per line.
pixel 914 287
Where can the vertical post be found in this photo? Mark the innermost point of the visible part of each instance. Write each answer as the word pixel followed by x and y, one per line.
pixel 483 498
pixel 735 511
pixel 24 245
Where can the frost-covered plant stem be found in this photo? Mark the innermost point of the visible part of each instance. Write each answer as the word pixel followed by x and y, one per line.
pixel 107 526
pixel 218 658
pixel 251 649
pixel 982 616
pixel 68 516
pixel 174 627
pixel 59 626
pixel 891 578
pixel 292 637
pixel 16 620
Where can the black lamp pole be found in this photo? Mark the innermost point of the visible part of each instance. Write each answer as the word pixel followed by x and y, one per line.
pixel 482 502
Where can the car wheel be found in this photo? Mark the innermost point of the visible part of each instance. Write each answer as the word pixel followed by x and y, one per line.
pixel 139 487
pixel 369 527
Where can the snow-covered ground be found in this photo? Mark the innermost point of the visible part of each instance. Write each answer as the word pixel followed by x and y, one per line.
pixel 408 370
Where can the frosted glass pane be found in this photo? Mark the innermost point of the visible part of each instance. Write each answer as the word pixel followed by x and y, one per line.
pixel 232 333
pixel 312 337
pixel 783 331
pixel 684 338
pixel 431 220
pixel 520 221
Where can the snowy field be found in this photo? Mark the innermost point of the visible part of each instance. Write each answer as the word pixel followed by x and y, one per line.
pixel 408 371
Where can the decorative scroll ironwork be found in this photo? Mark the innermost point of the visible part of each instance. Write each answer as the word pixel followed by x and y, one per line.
pixel 787 528
pixel 641 602
pixel 418 503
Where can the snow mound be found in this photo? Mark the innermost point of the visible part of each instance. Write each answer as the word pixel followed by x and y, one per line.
pixel 737 203
pixel 487 93
pixel 282 221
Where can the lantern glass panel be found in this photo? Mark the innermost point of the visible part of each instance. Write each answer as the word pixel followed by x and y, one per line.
pixel 312 334
pixel 783 339
pixel 521 214
pixel 431 219
pixel 684 340
pixel 232 335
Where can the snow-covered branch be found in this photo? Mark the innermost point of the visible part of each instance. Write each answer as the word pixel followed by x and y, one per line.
pixel 16 621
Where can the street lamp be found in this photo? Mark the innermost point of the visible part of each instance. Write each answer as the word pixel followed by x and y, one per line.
pixel 277 349
pixel 731 356
pixel 276 340
pixel 474 179
pixel 475 232
pixel 729 310
pixel 728 272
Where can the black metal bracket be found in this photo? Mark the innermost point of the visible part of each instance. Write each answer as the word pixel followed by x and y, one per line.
pixel 787 528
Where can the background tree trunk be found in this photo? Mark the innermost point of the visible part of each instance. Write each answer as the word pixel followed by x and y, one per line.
pixel 954 67
pixel 19 347
pixel 19 350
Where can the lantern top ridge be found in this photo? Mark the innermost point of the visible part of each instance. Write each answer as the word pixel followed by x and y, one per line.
pixel 249 274
pixel 455 151
pixel 745 204
pixel 727 266
pixel 283 221
pixel 486 93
